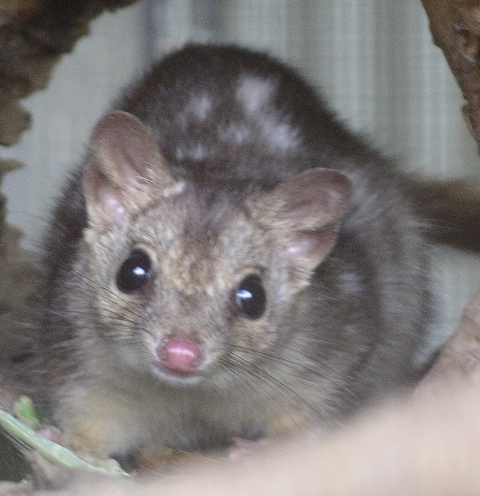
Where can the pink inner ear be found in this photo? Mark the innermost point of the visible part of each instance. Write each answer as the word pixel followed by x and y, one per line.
pixel 311 247
pixel 111 199
pixel 313 199
pixel 105 202
pixel 308 208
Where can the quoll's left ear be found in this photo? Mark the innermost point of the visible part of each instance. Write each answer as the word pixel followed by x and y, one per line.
pixel 306 212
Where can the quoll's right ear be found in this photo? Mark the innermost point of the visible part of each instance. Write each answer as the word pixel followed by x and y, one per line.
pixel 305 213
pixel 124 171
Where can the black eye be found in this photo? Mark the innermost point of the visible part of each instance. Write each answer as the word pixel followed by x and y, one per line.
pixel 250 297
pixel 135 272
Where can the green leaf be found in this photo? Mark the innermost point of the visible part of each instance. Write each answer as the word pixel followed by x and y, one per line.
pixel 24 435
pixel 25 412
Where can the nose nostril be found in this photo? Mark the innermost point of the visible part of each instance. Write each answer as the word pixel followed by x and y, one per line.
pixel 180 354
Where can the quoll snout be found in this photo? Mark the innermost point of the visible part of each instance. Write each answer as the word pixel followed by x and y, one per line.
pixel 180 354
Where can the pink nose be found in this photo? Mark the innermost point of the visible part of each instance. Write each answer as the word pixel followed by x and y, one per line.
pixel 180 354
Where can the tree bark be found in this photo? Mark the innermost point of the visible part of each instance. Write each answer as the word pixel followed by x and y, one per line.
pixel 33 35
pixel 455 26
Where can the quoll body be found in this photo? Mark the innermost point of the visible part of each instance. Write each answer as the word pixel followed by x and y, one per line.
pixel 229 261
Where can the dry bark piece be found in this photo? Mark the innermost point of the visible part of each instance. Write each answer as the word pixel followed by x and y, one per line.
pixel 455 26
pixel 459 359
pixel 33 35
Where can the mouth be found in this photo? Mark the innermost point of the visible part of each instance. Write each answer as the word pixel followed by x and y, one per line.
pixel 175 377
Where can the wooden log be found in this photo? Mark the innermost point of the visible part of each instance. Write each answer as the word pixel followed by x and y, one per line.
pixel 455 26
pixel 33 36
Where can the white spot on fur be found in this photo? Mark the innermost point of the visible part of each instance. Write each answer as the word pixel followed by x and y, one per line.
pixel 179 153
pixel 200 106
pixel 254 93
pixel 256 96
pixel 177 189
pixel 196 152
pixel 280 135
pixel 210 290
pixel 236 133
pixel 197 110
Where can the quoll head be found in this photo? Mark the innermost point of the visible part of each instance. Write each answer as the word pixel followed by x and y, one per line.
pixel 189 272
